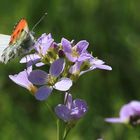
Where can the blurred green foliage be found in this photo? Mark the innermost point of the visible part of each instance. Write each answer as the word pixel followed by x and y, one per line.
pixel 113 29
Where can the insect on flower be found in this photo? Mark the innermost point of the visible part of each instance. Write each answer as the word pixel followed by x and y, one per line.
pixel 20 42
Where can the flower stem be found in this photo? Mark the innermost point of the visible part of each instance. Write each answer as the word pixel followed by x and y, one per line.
pixel 51 111
pixel 60 129
pixel 66 133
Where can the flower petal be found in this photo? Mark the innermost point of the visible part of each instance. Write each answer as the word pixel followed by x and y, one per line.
pixel 84 57
pixel 66 45
pixel 75 69
pixel 22 79
pixel 71 57
pixel 43 43
pixel 43 93
pixel 126 111
pixel 63 84
pixel 57 67
pixel 104 67
pixel 114 120
pixel 135 106
pixel 63 112
pixel 95 61
pixel 99 64
pixel 38 77
pixel 31 57
pixel 82 46
pixel 39 64
pixel 79 108
pixel 68 100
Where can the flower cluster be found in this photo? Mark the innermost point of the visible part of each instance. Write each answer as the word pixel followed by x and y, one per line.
pixel 57 66
pixel 72 110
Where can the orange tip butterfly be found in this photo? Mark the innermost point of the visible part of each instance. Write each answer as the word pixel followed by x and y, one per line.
pixel 20 42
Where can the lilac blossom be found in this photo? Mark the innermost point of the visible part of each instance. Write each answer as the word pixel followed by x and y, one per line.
pixel 129 113
pixel 51 80
pixel 72 109
pixel 77 52
pixel 22 80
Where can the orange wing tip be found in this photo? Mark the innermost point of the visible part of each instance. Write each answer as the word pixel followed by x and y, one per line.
pixel 20 26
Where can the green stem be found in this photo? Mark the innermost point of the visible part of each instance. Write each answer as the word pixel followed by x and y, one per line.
pixel 60 129
pixel 66 133
pixel 51 111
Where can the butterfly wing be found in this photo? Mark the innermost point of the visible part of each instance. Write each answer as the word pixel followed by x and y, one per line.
pixel 21 42
pixel 4 41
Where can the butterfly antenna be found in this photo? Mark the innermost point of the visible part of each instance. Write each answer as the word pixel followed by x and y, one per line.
pixel 39 21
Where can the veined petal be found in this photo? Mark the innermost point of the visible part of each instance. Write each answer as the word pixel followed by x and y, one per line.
pixel 22 79
pixel 63 84
pixel 38 77
pixel 79 108
pixel 95 61
pixel 63 112
pixel 68 100
pixel 104 67
pixel 31 57
pixel 99 64
pixel 82 46
pixel 75 69
pixel 43 93
pixel 43 43
pixel 84 57
pixel 66 45
pixel 57 67
pixel 70 57
pixel 80 104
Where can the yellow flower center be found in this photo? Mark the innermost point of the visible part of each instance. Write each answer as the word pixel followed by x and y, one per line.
pixel 74 52
pixel 32 89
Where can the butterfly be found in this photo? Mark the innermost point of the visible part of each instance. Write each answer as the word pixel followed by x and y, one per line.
pixel 20 42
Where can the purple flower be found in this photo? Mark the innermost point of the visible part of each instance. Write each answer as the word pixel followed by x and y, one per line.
pixel 41 46
pixel 51 80
pixel 129 113
pixel 90 64
pixel 71 110
pixel 32 59
pixel 22 80
pixel 77 52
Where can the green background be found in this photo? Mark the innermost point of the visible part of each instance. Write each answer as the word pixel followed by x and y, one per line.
pixel 112 27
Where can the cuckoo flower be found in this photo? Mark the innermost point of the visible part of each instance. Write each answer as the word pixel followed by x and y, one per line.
pixel 88 65
pixel 77 52
pixel 41 46
pixel 51 80
pixel 129 113
pixel 71 110
pixel 22 80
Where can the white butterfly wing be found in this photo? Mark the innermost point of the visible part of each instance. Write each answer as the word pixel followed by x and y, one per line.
pixel 4 41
